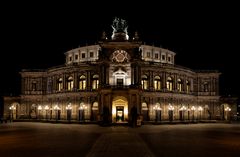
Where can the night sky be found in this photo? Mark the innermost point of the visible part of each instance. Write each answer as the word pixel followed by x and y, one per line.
pixel 204 36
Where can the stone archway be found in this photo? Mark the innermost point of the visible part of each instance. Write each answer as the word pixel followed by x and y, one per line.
pixel 119 109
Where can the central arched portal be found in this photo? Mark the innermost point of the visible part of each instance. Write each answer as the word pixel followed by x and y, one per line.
pixel 119 109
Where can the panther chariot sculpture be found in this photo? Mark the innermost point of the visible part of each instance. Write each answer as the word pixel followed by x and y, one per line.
pixel 119 29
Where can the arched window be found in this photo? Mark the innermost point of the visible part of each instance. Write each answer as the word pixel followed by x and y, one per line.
pixel 157 83
pixel 95 106
pixel 144 82
pixel 179 85
pixel 144 106
pixel 82 82
pixel 188 86
pixel 59 84
pixel 95 81
pixel 169 84
pixel 70 83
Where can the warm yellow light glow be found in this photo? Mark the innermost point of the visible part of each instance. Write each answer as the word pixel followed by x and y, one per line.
pixel 183 108
pixel 39 107
pixel 46 107
pixel 69 106
pixel 227 109
pixel 56 107
pixel 200 108
pixel 12 107
pixel 170 107
pixel 193 108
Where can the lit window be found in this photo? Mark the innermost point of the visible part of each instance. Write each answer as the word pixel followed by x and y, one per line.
pixel 169 84
pixel 188 86
pixel 144 82
pixel 95 106
pixel 157 83
pixel 95 81
pixel 179 85
pixel 59 84
pixel 70 83
pixel 144 106
pixel 82 82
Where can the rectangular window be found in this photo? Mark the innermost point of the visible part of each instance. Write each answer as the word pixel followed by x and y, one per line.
pixel 156 56
pixel 83 55
pixel 70 59
pixel 91 54
pixel 76 57
pixel 163 57
pixel 169 59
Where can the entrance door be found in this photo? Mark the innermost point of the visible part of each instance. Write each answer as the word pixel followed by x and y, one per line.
pixel 119 113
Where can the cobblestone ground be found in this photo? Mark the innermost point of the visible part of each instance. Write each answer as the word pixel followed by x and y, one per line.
pixel 27 139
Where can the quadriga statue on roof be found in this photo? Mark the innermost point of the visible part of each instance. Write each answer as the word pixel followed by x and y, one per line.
pixel 119 25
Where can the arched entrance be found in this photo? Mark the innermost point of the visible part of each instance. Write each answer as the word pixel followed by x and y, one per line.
pixel 119 109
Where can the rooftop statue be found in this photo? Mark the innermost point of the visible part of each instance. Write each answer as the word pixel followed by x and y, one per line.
pixel 119 25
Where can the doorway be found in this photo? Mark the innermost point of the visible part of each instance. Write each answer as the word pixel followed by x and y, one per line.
pixel 119 109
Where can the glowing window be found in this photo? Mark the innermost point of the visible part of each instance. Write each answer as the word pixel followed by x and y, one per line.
pixel 144 82
pixel 157 83
pixel 70 83
pixel 82 82
pixel 60 84
pixel 95 81
pixel 169 84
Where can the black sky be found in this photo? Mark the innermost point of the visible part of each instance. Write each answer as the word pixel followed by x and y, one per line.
pixel 204 36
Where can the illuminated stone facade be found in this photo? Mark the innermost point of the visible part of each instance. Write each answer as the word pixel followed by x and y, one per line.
pixel 115 76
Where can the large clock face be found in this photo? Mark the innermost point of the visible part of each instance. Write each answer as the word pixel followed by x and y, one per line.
pixel 120 56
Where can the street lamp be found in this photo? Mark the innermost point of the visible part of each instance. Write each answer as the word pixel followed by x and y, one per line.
pixel 193 110
pixel 157 110
pixel 183 109
pixel 200 111
pixel 12 108
pixel 69 111
pixel 81 111
pixel 46 108
pixel 170 112
pixel 39 111
pixel 56 108
pixel 227 109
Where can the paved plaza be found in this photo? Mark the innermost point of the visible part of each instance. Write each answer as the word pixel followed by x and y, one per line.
pixel 26 139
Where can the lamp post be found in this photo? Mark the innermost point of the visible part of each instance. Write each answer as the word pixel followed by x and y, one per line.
pixel 46 108
pixel 81 112
pixel 170 112
pixel 56 109
pixel 69 111
pixel 157 110
pixel 227 109
pixel 200 111
pixel 11 108
pixel 39 111
pixel 193 111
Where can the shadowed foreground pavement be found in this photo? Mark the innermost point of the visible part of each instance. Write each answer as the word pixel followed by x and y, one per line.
pixel 73 140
